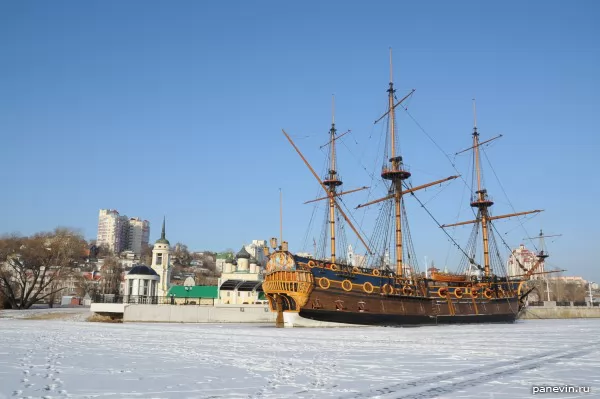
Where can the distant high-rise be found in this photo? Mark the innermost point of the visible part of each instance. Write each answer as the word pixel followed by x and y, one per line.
pixel 522 260
pixel 139 234
pixel 119 233
pixel 256 250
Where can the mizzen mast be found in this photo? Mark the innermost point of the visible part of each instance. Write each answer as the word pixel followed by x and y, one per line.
pixel 332 181
pixel 396 172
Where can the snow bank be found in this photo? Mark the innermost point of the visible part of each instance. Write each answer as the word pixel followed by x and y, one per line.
pixel 71 314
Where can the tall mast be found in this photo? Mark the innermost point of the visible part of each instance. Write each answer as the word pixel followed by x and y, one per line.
pixel 481 201
pixel 332 181
pixel 395 172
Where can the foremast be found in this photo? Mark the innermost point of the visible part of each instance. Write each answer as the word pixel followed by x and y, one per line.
pixel 481 201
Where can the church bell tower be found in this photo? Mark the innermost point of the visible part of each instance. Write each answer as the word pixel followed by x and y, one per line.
pixel 161 262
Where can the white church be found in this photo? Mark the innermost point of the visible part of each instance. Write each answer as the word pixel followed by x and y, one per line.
pixel 144 284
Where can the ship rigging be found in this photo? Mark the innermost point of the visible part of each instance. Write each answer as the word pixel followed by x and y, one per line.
pixel 329 290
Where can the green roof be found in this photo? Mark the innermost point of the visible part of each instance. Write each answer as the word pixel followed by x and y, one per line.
pixel 197 291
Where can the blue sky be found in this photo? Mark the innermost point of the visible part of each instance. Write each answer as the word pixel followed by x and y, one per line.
pixel 176 108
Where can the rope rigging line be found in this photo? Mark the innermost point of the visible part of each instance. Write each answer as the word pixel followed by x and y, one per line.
pixel 381 234
pixel 351 216
pixel 466 184
pixel 434 143
pixel 502 238
pixel 316 206
pixel 508 199
pixel 462 199
pixel 440 226
pixel 411 253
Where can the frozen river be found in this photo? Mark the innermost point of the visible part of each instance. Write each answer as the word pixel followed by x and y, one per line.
pixel 56 359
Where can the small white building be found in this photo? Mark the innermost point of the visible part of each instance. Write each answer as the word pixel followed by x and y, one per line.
pixel 141 285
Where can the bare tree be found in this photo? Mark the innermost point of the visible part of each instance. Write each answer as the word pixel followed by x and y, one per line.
pixel 181 255
pixel 86 286
pixel 206 279
pixel 112 272
pixel 209 261
pixel 146 257
pixel 574 292
pixel 31 267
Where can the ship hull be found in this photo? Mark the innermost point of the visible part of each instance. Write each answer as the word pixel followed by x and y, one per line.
pixel 317 295
pixel 328 318
pixel 336 308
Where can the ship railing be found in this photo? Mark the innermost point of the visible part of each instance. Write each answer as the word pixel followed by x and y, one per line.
pixel 401 168
pixel 475 198
pixel 153 300
pixel 288 281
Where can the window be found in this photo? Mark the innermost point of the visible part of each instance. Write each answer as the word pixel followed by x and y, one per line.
pixel 159 259
pixel 130 287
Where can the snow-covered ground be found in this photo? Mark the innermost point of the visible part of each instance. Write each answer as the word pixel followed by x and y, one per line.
pixel 58 358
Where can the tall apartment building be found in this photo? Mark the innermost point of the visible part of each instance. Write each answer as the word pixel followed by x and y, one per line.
pixel 256 250
pixel 138 235
pixel 522 257
pixel 119 233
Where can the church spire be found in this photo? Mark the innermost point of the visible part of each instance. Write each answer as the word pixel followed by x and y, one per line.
pixel 163 239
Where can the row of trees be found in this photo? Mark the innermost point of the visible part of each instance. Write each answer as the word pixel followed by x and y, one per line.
pixel 558 290
pixel 36 268
pixel 31 268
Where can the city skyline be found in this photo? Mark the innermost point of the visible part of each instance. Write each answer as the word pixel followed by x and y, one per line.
pixel 198 94
pixel 120 233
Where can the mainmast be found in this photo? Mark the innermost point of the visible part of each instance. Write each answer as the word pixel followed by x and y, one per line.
pixel 332 181
pixel 395 172
pixel 481 201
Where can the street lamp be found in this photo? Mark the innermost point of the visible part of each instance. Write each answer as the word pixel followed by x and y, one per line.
pixel 172 298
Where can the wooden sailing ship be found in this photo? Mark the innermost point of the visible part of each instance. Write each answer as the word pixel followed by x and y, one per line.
pixel 328 291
